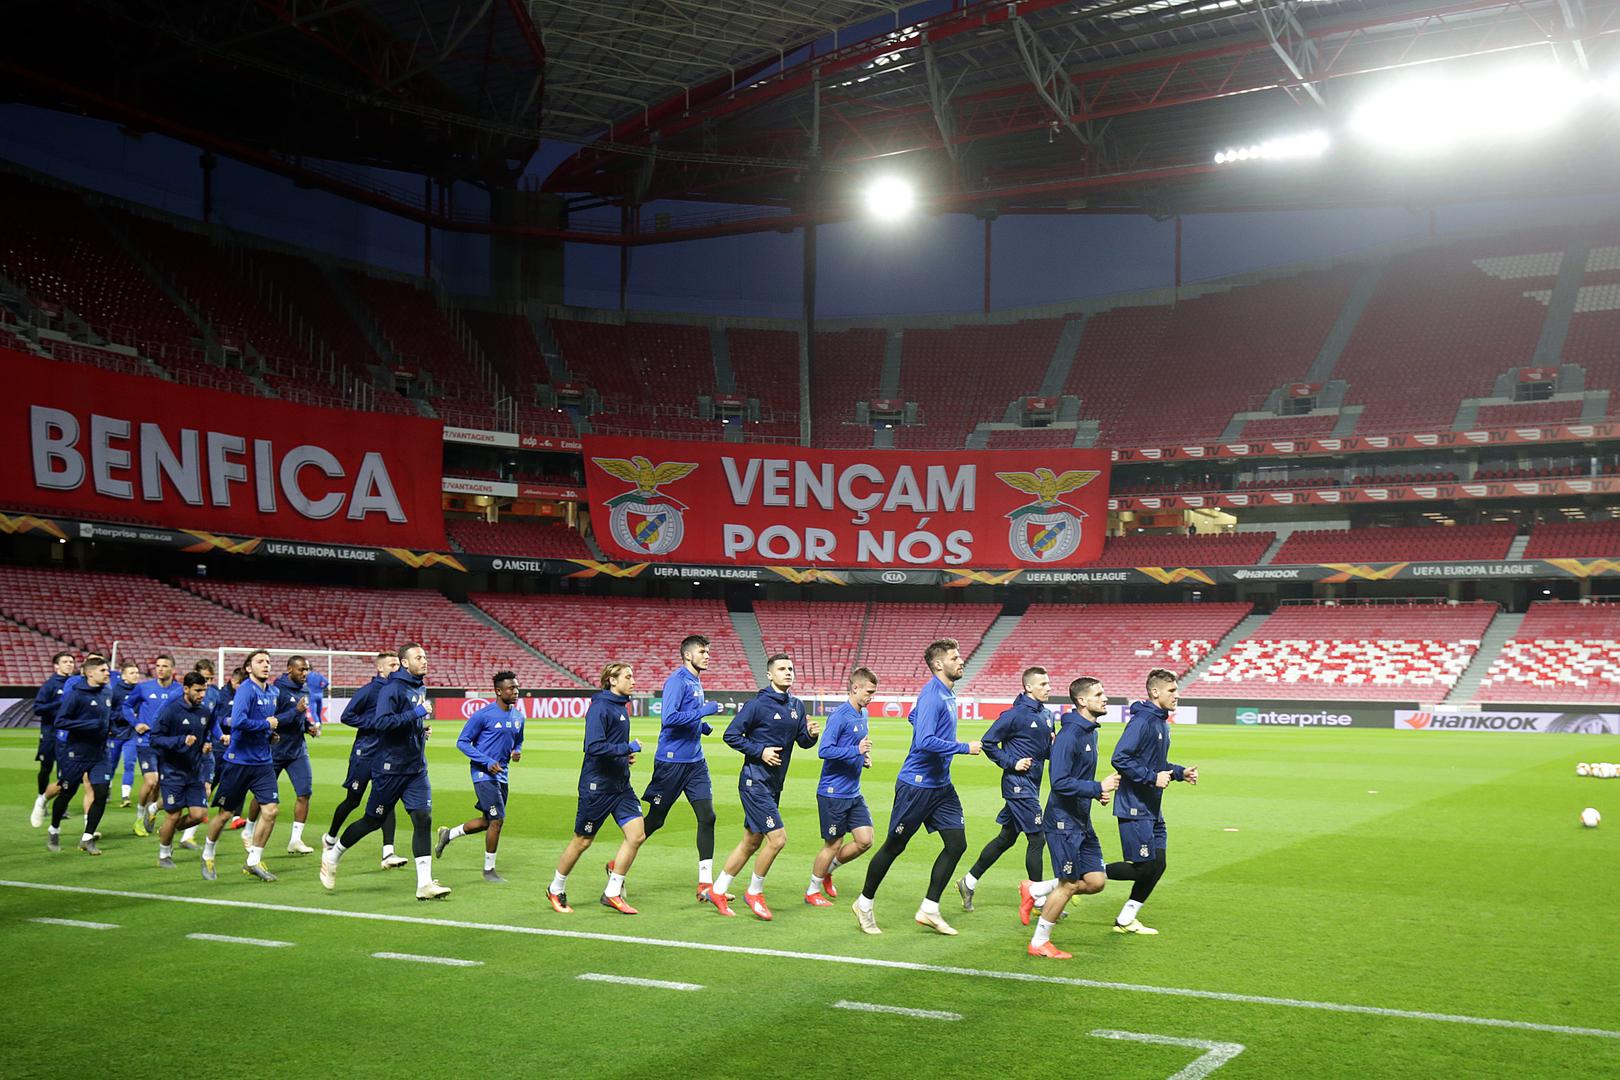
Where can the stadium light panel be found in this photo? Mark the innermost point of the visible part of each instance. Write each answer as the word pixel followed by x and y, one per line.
pixel 1302 147
pixel 1434 114
pixel 890 198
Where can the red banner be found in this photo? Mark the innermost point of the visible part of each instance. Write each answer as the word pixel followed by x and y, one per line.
pixel 83 441
pixel 726 503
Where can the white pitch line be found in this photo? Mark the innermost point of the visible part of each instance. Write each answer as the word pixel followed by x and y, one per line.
pixel 921 1014
pixel 228 940
pixel 447 961
pixel 833 958
pixel 1215 1054
pixel 82 925
pixel 626 980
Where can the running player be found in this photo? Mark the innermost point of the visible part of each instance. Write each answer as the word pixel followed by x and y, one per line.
pixel 399 772
pixel 846 749
pixel 1018 742
pixel 180 738
pixel 680 767
pixel 492 738
pixel 288 752
pixel 247 768
pixel 1077 860
pixel 923 793
pixel 764 731
pixel 46 702
pixel 81 723
pixel 144 703
pixel 357 715
pixel 1142 757
pixel 604 791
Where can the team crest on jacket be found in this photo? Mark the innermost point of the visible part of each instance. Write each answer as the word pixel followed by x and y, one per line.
pixel 1048 529
pixel 642 519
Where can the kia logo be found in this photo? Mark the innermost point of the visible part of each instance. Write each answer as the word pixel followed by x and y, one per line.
pixel 470 706
pixel 894 577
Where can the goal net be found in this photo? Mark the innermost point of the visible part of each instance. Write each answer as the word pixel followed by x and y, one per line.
pixel 343 669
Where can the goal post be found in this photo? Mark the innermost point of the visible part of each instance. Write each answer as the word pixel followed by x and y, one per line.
pixel 343 669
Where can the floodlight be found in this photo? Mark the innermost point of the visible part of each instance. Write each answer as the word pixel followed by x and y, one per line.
pixel 890 198
pixel 1434 114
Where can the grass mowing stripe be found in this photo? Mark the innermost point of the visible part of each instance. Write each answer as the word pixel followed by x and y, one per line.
pixel 895 1010
pixel 626 980
pixel 861 961
pixel 80 923
pixel 229 940
pixel 446 961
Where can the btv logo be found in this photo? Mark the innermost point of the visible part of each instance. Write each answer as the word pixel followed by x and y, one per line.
pixel 1419 720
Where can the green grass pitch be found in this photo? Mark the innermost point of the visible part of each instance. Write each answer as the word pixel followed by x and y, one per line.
pixel 1425 873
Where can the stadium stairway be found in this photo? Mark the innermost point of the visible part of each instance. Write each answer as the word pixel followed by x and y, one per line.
pixel 1057 371
pixel 1245 627
pixel 1499 633
pixel 993 637
pixel 746 623
pixel 1516 549
pixel 568 677
pixel 1561 305
pixel 1361 294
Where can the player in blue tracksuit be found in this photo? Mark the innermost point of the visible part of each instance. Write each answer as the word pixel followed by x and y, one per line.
pixel 679 767
pixel 492 738
pixel 923 793
pixel 846 750
pixel 180 736
pixel 46 702
pixel 356 715
pixel 1018 742
pixel 1077 860
pixel 144 703
pixel 317 684
pixel 288 752
pixel 398 772
pixel 81 721
pixel 1142 758
pixel 247 767
pixel 763 732
pixel 605 791
pixel 121 735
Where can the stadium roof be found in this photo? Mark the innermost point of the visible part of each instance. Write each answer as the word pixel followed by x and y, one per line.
pixel 776 109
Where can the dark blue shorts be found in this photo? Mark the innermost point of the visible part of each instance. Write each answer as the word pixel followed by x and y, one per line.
pixel 760 811
pixel 114 755
pixel 359 772
pixel 47 745
pixel 839 816
pixel 387 789
pixel 298 774
pixel 146 759
pixel 489 796
pixel 672 779
pixel 79 762
pixel 178 790
pixel 595 809
pixel 1022 814
pixel 937 808
pixel 208 769
pixel 236 781
pixel 1141 839
pixel 1075 851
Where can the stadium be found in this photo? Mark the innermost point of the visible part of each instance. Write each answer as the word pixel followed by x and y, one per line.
pixel 484 420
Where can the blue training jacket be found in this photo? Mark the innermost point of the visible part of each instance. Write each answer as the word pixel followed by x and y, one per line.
pixel 1074 775
pixel 1143 751
pixel 774 718
pixel 84 716
pixel 840 753
pixel 397 720
pixel 488 738
pixel 48 700
pixel 175 721
pixel 933 737
pixel 251 712
pixel 608 746
pixel 292 698
pixel 147 700
pixel 682 728
pixel 1023 731
pixel 120 725
pixel 357 713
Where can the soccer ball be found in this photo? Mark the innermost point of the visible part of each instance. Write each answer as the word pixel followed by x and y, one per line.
pixel 1604 770
pixel 1583 769
pixel 1590 817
